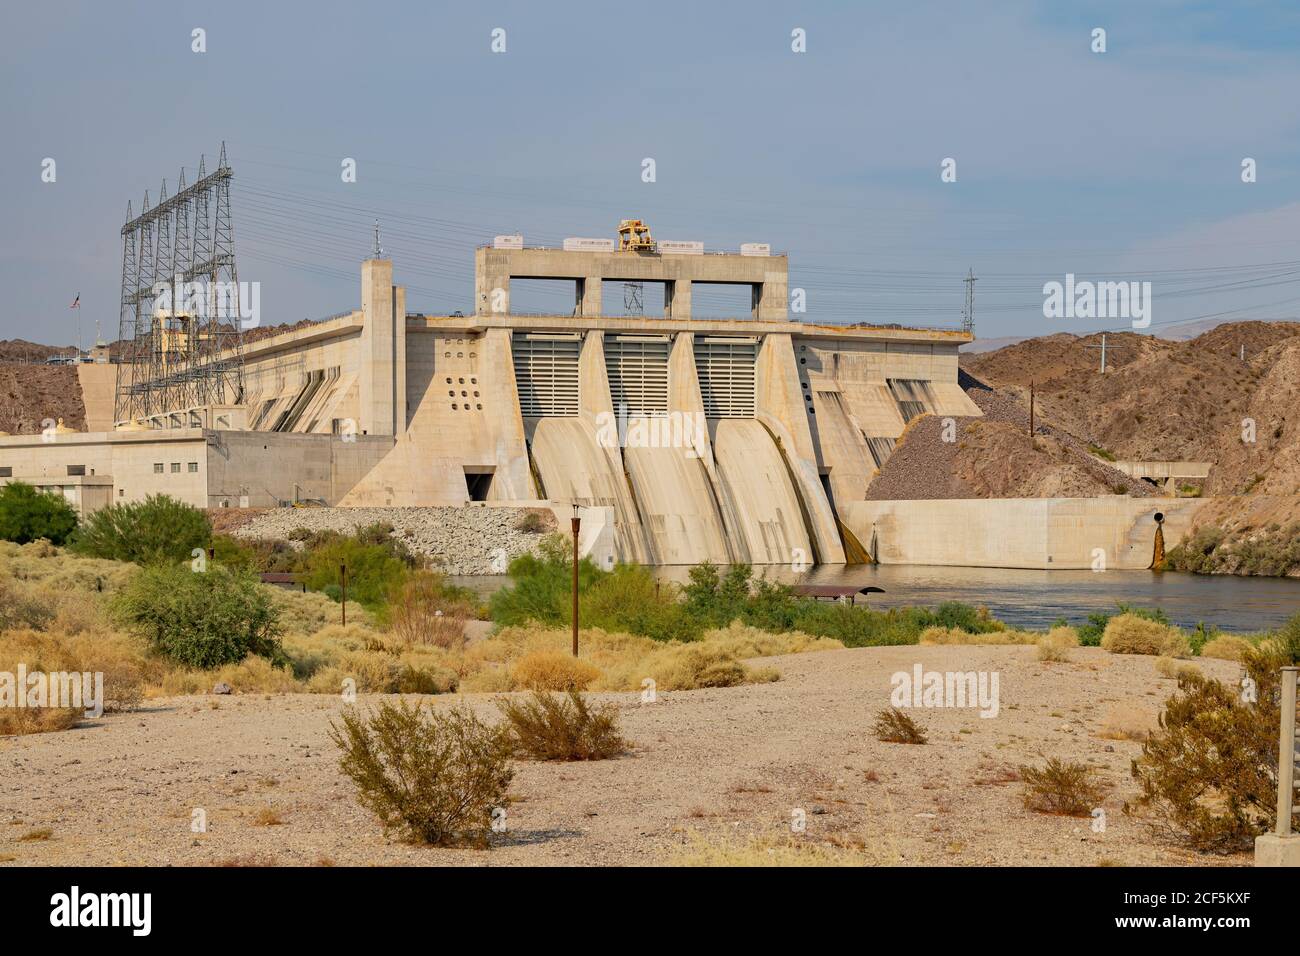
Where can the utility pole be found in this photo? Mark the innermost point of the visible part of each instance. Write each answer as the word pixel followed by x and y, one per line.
pixel 577 523
pixel 1103 348
pixel 1031 408
pixel 343 578
pixel 968 314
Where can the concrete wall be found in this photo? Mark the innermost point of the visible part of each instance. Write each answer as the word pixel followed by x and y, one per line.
pixel 1042 533
pixel 269 468
pixel 98 388
pixel 494 269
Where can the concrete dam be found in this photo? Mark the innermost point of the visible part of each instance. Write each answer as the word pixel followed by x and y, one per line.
pixel 748 437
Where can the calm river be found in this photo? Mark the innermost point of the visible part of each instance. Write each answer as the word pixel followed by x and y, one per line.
pixel 1034 599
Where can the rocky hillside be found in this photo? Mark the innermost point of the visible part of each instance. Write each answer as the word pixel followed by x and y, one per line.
pixel 1171 400
pixel 30 394
pixel 995 457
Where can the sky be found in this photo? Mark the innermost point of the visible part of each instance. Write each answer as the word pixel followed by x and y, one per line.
pixel 1123 165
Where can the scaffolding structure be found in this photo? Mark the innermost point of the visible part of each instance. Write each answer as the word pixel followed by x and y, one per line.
pixel 180 320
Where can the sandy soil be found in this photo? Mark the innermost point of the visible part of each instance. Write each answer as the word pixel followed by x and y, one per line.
pixel 727 764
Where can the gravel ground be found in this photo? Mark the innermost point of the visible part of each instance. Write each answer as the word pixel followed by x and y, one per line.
pixel 725 763
pixel 460 540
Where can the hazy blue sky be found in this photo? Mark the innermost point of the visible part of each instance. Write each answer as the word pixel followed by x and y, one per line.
pixel 1122 165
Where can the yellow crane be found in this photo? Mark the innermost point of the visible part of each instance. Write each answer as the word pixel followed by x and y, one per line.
pixel 634 236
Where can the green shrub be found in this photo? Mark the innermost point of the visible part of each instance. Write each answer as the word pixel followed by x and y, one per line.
pixel 434 776
pixel 630 600
pixel 954 614
pixel 715 598
pixel 559 727
pixel 158 529
pixel 201 619
pixel 541 585
pixel 29 515
pixel 374 571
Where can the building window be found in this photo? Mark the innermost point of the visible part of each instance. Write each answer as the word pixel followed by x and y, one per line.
pixel 157 468
pixel 193 467
pixel 176 468
pixel 6 472
pixel 76 470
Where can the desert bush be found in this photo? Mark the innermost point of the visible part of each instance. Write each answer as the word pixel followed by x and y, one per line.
pixel 433 775
pixel 1226 647
pixel 553 670
pixel 893 726
pixel 562 727
pixel 201 620
pixel 18 721
pixel 1209 774
pixel 30 515
pixel 1169 667
pixel 421 611
pixel 1056 645
pixel 1286 640
pixel 1130 634
pixel 1090 632
pixel 937 634
pixel 310 612
pixel 536 521
pixel 21 607
pixel 158 529
pixel 120 659
pixel 1067 789
pixel 1127 722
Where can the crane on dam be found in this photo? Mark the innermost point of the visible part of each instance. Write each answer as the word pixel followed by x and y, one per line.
pixel 634 236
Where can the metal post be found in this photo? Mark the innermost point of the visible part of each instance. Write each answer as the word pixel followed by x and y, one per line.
pixel 343 577
pixel 1286 752
pixel 1031 408
pixel 577 523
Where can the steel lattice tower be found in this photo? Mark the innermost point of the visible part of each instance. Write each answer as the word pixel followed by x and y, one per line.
pixel 179 327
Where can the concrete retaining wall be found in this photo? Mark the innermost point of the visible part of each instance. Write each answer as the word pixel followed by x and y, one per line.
pixel 1043 533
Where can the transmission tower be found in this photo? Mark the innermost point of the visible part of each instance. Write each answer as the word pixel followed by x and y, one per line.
pixel 968 313
pixel 633 300
pixel 179 325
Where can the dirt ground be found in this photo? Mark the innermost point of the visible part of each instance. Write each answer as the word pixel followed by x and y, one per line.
pixel 722 765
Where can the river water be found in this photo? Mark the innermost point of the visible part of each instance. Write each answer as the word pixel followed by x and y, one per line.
pixel 1034 599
